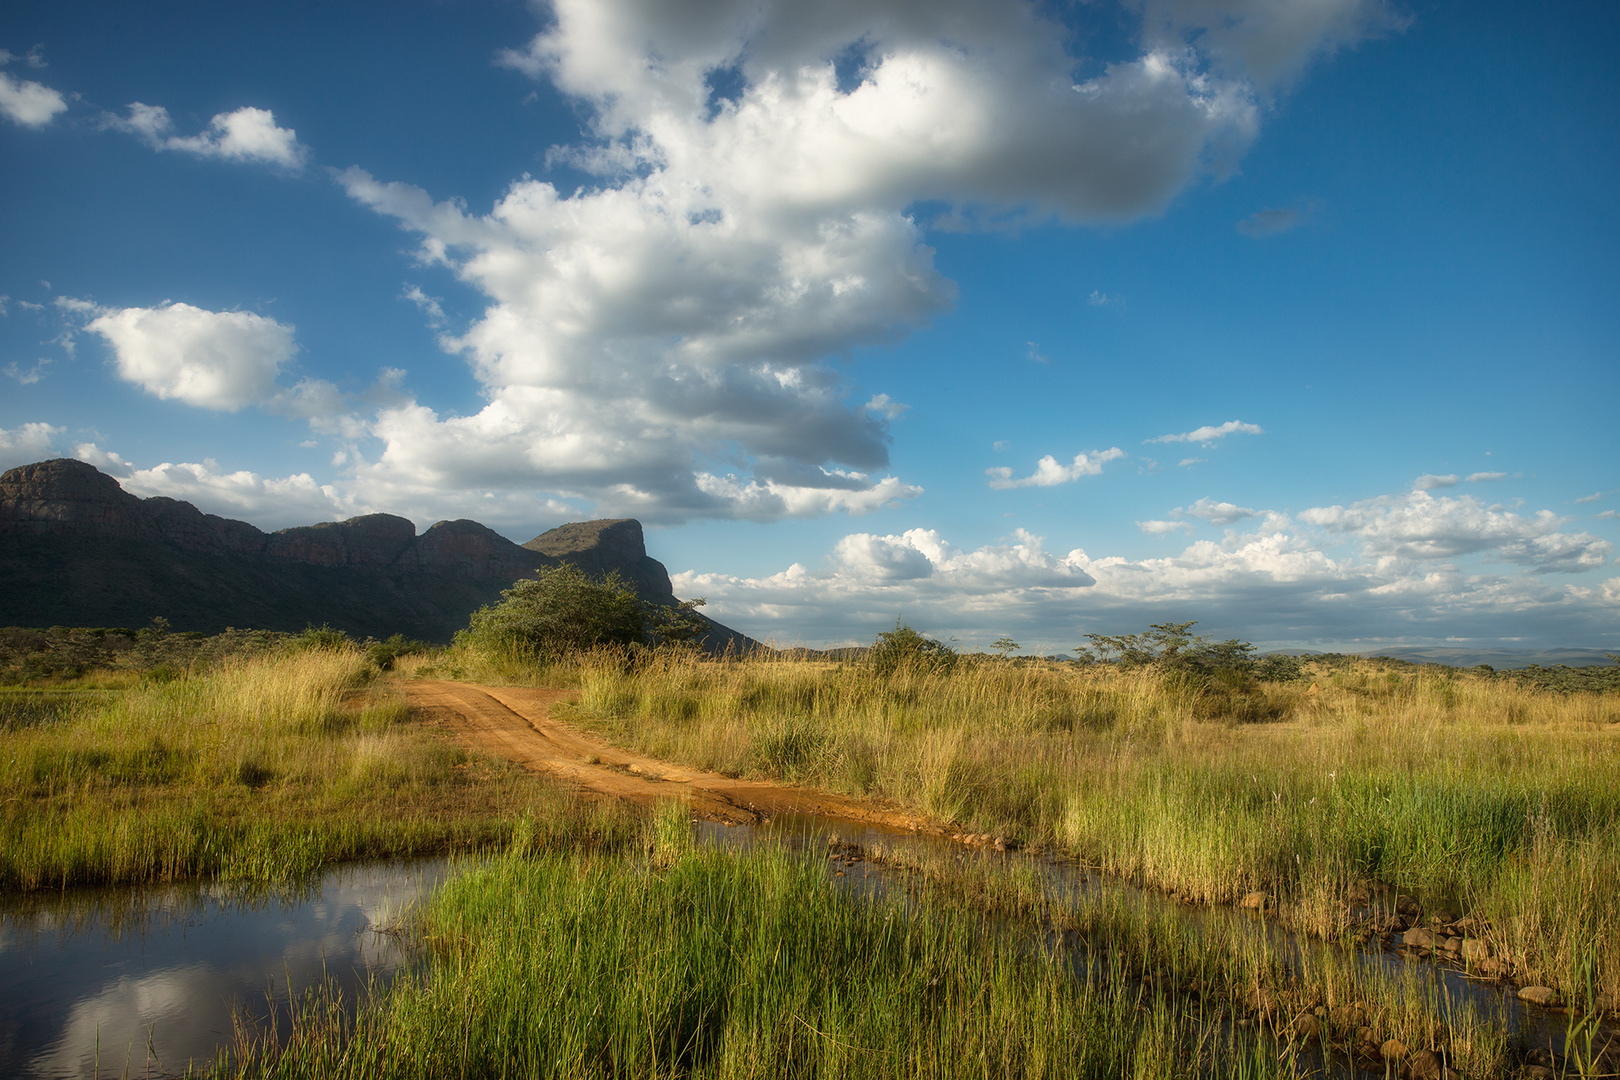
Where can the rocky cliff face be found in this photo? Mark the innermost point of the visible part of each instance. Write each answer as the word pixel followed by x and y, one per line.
pixel 78 550
pixel 70 499
pixel 608 546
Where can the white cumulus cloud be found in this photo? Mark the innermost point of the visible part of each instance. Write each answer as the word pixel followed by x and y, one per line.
pixel 248 135
pixel 871 580
pixel 213 359
pixel 659 340
pixel 1216 513
pixel 1160 528
pixel 269 502
pixel 1421 526
pixel 1049 472
pixel 1281 581
pixel 28 103
pixel 27 443
pixel 1211 433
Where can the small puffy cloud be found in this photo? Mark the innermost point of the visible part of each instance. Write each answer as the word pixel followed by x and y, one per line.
pixel 27 443
pixel 881 405
pixel 28 103
pixel 75 306
pixel 1211 433
pixel 1216 513
pixel 246 135
pixel 1160 528
pixel 212 359
pixel 882 558
pixel 1420 526
pixel 1049 472
pixel 114 464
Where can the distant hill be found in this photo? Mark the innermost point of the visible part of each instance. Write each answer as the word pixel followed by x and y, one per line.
pixel 76 549
pixel 1501 659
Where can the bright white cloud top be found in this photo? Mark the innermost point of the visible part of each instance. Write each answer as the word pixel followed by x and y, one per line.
pixel 212 359
pixel 28 103
pixel 740 268
pixel 247 135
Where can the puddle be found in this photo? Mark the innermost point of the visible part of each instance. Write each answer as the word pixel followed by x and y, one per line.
pixel 1454 990
pixel 141 982
pixel 107 983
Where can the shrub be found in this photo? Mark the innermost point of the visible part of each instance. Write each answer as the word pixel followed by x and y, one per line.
pixel 559 610
pixel 905 649
pixel 385 653
pixel 321 637
pixel 1279 667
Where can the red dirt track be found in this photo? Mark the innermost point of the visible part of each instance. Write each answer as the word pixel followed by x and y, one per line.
pixel 515 723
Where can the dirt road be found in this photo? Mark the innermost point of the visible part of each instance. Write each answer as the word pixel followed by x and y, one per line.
pixel 515 723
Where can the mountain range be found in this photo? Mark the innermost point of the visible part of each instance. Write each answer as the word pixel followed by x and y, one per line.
pixel 76 549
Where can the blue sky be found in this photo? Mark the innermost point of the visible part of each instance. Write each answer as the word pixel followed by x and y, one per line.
pixel 1294 318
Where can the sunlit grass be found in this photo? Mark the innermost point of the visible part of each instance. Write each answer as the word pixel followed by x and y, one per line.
pixel 1477 794
pixel 261 768
pixel 697 963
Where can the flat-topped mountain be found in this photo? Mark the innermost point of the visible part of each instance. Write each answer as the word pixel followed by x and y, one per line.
pixel 76 549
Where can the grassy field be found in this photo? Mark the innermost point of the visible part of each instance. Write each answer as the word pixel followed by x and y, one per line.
pixel 672 960
pixel 1477 794
pixel 265 767
pixel 1481 794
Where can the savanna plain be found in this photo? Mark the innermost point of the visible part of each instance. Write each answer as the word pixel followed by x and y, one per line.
pixel 1471 817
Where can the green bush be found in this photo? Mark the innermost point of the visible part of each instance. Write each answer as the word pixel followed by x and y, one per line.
pixel 905 649
pixel 385 653
pixel 559 610
pixel 320 637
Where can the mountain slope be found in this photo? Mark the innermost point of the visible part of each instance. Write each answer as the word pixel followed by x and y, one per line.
pixel 78 550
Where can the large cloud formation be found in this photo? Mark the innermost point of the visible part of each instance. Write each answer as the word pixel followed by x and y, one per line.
pixel 1397 568
pixel 658 341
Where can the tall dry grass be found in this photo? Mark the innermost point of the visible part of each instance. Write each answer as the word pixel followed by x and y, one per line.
pixel 1479 795
pixel 263 768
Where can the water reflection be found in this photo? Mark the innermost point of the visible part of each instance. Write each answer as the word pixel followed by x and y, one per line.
pixel 142 982
pixel 145 981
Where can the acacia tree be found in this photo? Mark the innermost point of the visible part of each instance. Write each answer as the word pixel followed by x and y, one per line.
pixel 559 610
pixel 1173 647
